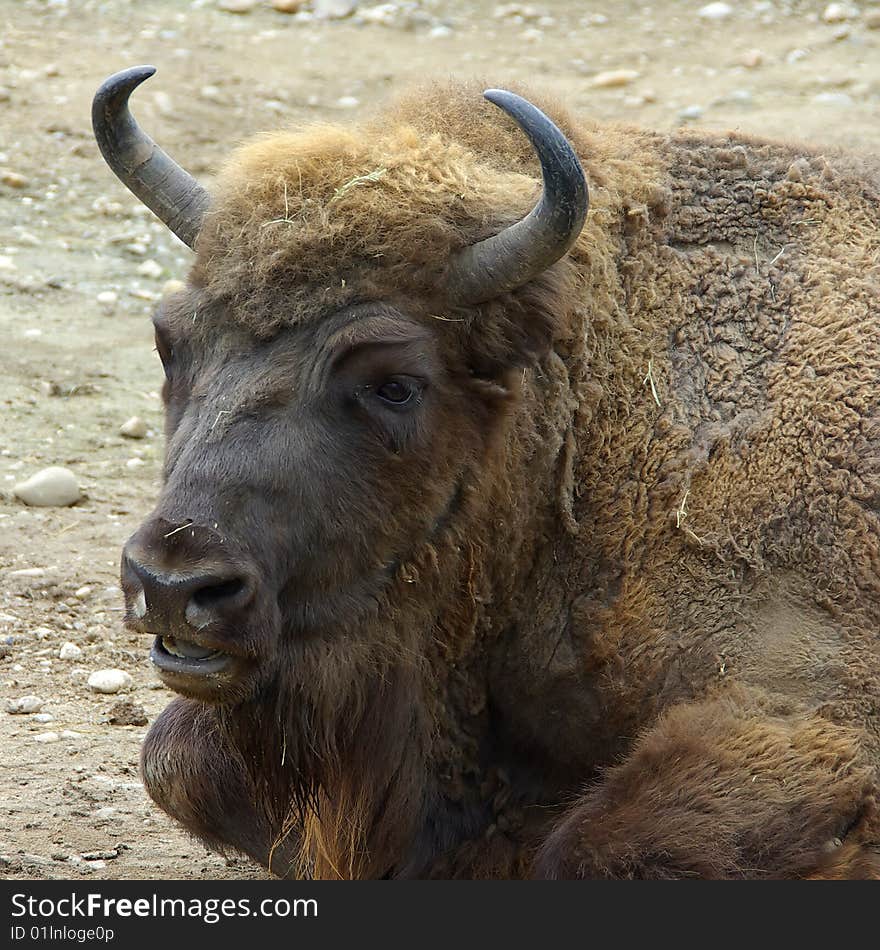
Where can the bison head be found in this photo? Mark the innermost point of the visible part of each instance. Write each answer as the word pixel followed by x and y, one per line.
pixel 335 373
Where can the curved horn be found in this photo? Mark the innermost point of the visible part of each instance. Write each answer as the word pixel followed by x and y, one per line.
pixel 161 184
pixel 525 249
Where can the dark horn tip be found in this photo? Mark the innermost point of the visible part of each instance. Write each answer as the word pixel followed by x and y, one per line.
pixel 123 83
pixel 111 101
pixel 172 194
pixel 554 151
pixel 514 256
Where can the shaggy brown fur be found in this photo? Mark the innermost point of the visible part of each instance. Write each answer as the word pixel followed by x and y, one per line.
pixel 632 625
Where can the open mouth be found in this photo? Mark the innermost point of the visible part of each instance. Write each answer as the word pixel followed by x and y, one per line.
pixel 173 655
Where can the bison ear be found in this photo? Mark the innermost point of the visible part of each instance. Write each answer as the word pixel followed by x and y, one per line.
pixel 517 330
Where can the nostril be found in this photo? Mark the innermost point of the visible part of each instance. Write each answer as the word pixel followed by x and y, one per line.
pixel 215 595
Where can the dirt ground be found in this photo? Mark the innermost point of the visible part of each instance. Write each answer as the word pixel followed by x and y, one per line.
pixel 74 367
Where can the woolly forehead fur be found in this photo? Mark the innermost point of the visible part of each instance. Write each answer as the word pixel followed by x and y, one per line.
pixel 307 221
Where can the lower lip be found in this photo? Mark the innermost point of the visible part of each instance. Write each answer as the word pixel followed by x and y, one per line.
pixel 188 666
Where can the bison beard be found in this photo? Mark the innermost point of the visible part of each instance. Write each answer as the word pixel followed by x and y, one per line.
pixel 526 548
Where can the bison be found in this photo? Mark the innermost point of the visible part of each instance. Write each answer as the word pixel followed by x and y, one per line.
pixel 501 540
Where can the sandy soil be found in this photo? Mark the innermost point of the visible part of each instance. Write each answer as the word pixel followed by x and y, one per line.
pixel 72 369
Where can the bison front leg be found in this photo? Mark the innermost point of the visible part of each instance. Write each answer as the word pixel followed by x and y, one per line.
pixel 193 772
pixel 727 788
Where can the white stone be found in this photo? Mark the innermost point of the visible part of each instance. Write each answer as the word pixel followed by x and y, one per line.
pixel 24 706
pixel 43 717
pixel 150 268
pixel 237 6
pixel 109 681
pixel 715 11
pixel 384 14
pixel 833 99
pixel 690 112
pixel 135 463
pixel 108 300
pixel 82 592
pixel 69 651
pixel 47 737
pixel 333 9
pixel 839 12
pixel 133 428
pixel 51 487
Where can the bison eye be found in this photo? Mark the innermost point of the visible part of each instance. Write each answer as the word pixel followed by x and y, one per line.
pixel 398 391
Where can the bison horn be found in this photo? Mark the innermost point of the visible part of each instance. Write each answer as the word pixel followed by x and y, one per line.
pixel 525 249
pixel 161 184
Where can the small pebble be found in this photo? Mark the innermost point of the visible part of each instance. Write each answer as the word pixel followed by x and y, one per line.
pixel 47 737
pixel 614 77
pixel 43 717
pixel 715 11
pixel 333 9
pixel 518 12
pixel 69 651
pixel 237 6
pixel 135 463
pixel 841 99
pixel 109 681
pixel 287 6
pixel 752 59
pixel 150 268
pixel 24 706
pixel 108 855
pixel 133 428
pixel 49 488
pixel 690 112
pixel 82 592
pixel 13 179
pixel 108 300
pixel 839 12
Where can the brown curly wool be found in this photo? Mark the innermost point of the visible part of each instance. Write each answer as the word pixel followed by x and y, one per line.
pixel 645 642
